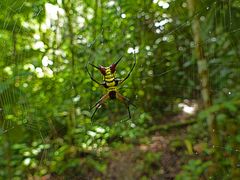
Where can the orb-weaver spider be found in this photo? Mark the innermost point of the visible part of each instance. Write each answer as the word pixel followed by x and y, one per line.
pixel 110 82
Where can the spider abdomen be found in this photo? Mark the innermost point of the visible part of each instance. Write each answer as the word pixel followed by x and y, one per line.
pixel 109 78
pixel 112 94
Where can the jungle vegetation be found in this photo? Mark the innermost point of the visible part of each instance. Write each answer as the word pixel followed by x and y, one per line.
pixel 184 92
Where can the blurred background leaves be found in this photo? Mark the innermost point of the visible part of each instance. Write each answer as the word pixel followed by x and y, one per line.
pixel 45 92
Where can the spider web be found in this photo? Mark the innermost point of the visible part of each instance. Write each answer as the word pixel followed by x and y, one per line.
pixel 16 119
pixel 15 114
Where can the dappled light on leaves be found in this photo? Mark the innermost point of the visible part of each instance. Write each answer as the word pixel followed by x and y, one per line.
pixel 183 91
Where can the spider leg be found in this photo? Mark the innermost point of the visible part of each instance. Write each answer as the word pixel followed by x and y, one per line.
pixel 93 66
pixel 99 103
pixel 125 101
pixel 135 60
pixel 102 84
pixel 118 60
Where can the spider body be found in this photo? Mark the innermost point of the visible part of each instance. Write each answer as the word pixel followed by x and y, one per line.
pixel 112 94
pixel 109 78
pixel 110 82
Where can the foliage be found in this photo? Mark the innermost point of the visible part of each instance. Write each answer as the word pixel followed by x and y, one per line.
pixel 46 93
pixel 193 170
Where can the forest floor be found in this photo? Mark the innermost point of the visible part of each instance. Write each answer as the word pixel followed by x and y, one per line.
pixel 158 156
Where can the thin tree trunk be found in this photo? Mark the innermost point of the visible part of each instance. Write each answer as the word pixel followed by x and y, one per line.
pixel 203 73
pixel 68 6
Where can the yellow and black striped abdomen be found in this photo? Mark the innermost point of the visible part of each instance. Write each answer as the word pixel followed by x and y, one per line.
pixel 109 79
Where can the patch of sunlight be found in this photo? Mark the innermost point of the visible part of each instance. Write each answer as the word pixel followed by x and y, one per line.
pixel 29 67
pixel 213 39
pixel 27 161
pixel 81 40
pixel 158 31
pixel 110 3
pixel 38 45
pixel 162 23
pixel 90 13
pixel 26 24
pixel 78 111
pixel 66 61
pixel 188 108
pixel 48 72
pixel 26 153
pixel 164 15
pixel 149 53
pixel 44 27
pixel 123 16
pixel 59 52
pixel 79 8
pixel 163 4
pixel 52 13
pixel 46 61
pixel 80 21
pixel 44 146
pixel 8 70
pixel 133 125
pixel 132 50
pixel 84 145
pixel 76 99
pixel 147 48
pixel 100 130
pixel 91 133
pixel 39 72
pixel 165 38
pixel 36 151
pixel 95 145
pixel 36 36
pixel 184 5
pixel 150 72
pixel 25 85
pixel 60 80
pixel 202 18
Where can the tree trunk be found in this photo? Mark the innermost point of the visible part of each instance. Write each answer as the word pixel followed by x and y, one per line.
pixel 203 74
pixel 68 7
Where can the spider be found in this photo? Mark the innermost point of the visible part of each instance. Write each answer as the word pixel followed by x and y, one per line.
pixel 110 82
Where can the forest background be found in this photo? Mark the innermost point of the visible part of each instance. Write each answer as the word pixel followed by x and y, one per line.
pixel 185 89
